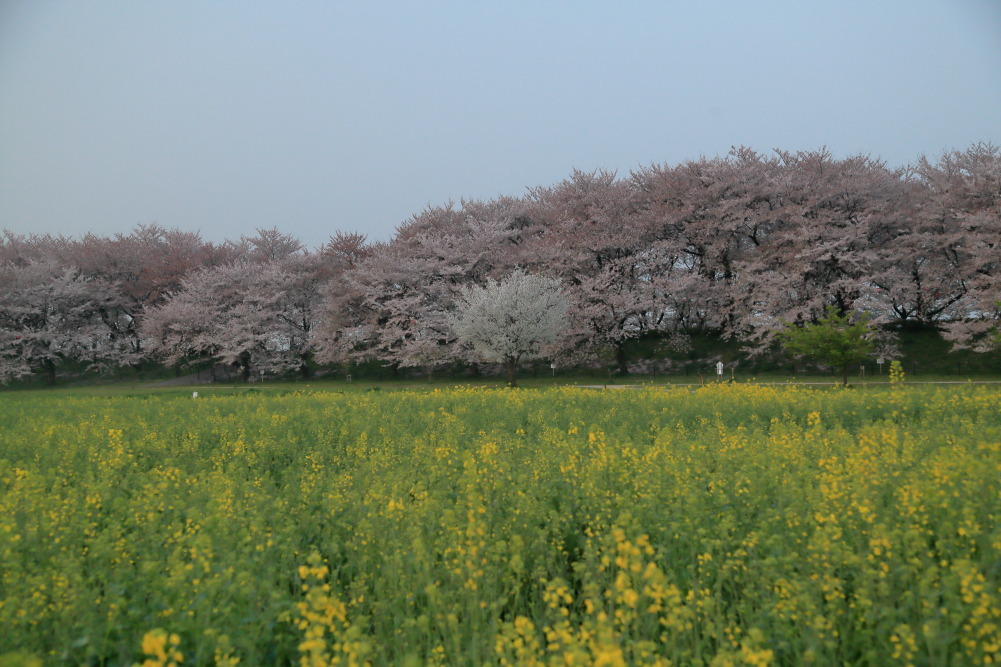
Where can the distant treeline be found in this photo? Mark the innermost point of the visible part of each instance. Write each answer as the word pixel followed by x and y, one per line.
pixel 731 246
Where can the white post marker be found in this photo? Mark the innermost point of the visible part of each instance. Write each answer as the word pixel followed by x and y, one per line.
pixel 719 368
pixel 194 394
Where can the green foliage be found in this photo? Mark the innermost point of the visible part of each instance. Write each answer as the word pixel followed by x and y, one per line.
pixel 834 340
pixel 20 660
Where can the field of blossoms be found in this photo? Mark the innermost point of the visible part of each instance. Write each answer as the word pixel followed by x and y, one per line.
pixel 729 525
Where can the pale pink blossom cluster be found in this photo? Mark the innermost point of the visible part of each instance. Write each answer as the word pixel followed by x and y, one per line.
pixel 730 245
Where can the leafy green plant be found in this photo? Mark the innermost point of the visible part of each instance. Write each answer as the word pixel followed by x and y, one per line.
pixel 835 340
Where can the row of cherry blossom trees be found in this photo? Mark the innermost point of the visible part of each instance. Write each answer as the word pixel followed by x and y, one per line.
pixel 731 246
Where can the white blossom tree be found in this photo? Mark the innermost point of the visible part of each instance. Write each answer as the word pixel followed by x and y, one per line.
pixel 516 319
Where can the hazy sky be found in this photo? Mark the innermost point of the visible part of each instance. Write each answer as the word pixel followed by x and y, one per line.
pixel 225 117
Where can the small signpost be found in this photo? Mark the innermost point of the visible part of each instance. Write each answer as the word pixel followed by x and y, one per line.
pixel 879 362
pixel 553 366
pixel 719 370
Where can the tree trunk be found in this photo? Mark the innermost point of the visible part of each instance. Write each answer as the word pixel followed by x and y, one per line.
pixel 511 370
pixel 620 358
pixel 50 371
pixel 244 364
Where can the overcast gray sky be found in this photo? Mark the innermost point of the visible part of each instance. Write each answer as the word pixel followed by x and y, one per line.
pixel 224 117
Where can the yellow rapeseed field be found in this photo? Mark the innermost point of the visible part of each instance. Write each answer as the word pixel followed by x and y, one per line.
pixel 730 525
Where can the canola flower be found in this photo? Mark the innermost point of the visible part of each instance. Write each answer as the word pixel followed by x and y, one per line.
pixel 161 649
pixel 732 525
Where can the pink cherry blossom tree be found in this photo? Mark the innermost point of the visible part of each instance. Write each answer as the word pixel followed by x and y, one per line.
pixel 250 316
pixel 394 302
pixel 966 197
pixel 51 315
pixel 823 249
pixel 587 234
